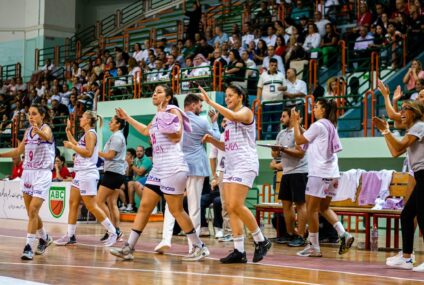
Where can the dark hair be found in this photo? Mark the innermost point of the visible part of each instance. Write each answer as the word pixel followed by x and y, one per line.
pixel 62 158
pixel 288 110
pixel 132 151
pixel 241 92
pixel 330 107
pixel 43 111
pixel 148 152
pixel 191 98
pixel 122 126
pixel 273 60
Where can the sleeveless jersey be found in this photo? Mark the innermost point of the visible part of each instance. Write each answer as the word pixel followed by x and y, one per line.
pixel 85 163
pixel 39 154
pixel 240 148
pixel 168 157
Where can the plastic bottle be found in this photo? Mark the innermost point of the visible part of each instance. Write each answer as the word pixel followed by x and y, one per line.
pixel 374 239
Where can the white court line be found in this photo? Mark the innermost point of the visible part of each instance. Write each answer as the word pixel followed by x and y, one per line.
pixel 163 271
pixel 272 265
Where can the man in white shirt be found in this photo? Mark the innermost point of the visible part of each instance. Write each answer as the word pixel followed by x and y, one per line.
pixel 296 90
pixel 270 84
pixel 247 36
pixel 271 54
pixel 145 52
pixel 320 22
pixel 271 38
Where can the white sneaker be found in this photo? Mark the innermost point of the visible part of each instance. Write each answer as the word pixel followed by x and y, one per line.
pixel 399 262
pixel 219 233
pixel 419 268
pixel 122 208
pixel 310 251
pixel 111 240
pixel 126 253
pixel 162 247
pixel 400 253
pixel 129 208
pixel 198 254
pixel 226 238
pixel 204 232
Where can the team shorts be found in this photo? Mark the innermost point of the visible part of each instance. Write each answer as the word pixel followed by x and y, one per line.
pixel 171 185
pixel 244 178
pixel 292 187
pixel 321 187
pixel 36 183
pixel 112 180
pixel 86 182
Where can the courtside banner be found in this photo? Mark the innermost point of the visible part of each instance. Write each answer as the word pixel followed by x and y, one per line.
pixel 55 208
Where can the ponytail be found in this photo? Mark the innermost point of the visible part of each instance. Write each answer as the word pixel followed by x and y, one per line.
pixel 124 126
pixel 100 119
pixel 94 118
pixel 330 107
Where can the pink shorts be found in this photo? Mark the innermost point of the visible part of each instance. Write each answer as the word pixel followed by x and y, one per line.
pixel 244 178
pixel 172 185
pixel 321 187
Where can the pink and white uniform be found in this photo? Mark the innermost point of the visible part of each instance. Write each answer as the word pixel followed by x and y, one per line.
pixel 38 165
pixel 86 173
pixel 241 157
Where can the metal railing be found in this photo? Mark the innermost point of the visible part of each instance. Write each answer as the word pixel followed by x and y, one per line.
pixel 10 71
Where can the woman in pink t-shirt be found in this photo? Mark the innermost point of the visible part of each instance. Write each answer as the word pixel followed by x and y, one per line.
pixel 414 73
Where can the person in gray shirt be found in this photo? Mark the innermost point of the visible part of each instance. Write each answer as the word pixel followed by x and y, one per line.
pixel 114 172
pixel 293 183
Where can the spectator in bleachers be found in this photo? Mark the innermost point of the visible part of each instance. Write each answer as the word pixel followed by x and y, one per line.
pixel 280 46
pixel 419 86
pixel 279 29
pixel 121 57
pixel 205 49
pixel 270 86
pixel 250 65
pixel 235 72
pixel 210 38
pixel 4 105
pixel 402 23
pixel 300 11
pixel 194 18
pixel 73 100
pixel 332 87
pixel 361 49
pixel 138 53
pixel 414 73
pixel 113 71
pixel 313 38
pixel 296 89
pixel 20 85
pixel 263 17
pixel 4 123
pixel 177 55
pixel 270 38
pixel 329 44
pixel 394 38
pixel 376 16
pixel 260 52
pixel 401 8
pixel 65 94
pixel 217 55
pixel 75 70
pixel 271 54
pixel 364 16
pixel 416 26
pixel 158 73
pixel 145 52
pixel 40 88
pixel 170 64
pixel 201 64
pixel 151 63
pixel 133 69
pixel 189 48
pixel 247 35
pixel 220 36
pixel 320 23
pixel 60 171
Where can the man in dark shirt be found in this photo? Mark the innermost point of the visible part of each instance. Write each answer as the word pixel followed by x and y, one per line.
pixel 194 18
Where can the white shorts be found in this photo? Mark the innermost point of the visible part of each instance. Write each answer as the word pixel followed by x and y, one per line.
pixel 36 183
pixel 86 182
pixel 321 187
pixel 244 178
pixel 172 185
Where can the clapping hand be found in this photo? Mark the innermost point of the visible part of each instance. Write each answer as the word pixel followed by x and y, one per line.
pixel 380 123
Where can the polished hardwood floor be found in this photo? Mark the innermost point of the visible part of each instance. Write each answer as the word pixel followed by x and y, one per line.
pixel 90 263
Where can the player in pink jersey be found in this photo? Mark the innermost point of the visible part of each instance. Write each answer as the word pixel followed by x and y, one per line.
pixel 84 185
pixel 38 145
pixel 169 173
pixel 241 168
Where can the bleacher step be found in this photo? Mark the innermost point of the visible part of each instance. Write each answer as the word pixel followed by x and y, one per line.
pixel 130 217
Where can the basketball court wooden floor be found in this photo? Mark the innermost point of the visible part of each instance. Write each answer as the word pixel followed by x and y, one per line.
pixel 90 263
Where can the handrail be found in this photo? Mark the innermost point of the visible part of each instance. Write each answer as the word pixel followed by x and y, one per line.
pixel 342 44
pixel 313 68
pixel 217 76
pixel 175 80
pixel 15 130
pixel 365 119
pixel 403 50
pixel 256 105
pixel 374 68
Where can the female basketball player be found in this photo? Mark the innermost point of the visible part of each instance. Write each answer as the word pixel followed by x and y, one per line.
pixel 241 169
pixel 323 144
pixel 84 184
pixel 38 145
pixel 114 155
pixel 169 173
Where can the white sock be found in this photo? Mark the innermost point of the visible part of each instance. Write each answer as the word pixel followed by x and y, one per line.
pixel 239 243
pixel 42 233
pixel 194 239
pixel 258 236
pixel 339 228
pixel 72 229
pixel 314 239
pixel 30 239
pixel 132 240
pixel 109 226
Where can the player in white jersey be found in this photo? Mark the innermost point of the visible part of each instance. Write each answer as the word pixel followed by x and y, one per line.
pixel 84 185
pixel 114 154
pixel 38 146
pixel 323 175
pixel 169 173
pixel 241 168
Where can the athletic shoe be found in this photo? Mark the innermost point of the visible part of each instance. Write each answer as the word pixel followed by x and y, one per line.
pixel 43 244
pixel 261 248
pixel 346 242
pixel 204 232
pixel 219 233
pixel 120 234
pixel 27 254
pixel 162 247
pixel 400 254
pixel 297 241
pixel 285 239
pixel 129 208
pixel 126 253
pixel 329 240
pixel 310 251
pixel 226 238
pixel 419 268
pixel 111 240
pixel 234 257
pixel 198 254
pixel 66 240
pixel 105 237
pixel 122 208
pixel 400 262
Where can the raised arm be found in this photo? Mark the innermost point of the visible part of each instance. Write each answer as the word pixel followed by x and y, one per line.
pixel 69 133
pixel 391 112
pixel 87 151
pixel 141 128
pixel 15 152
pixel 299 138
